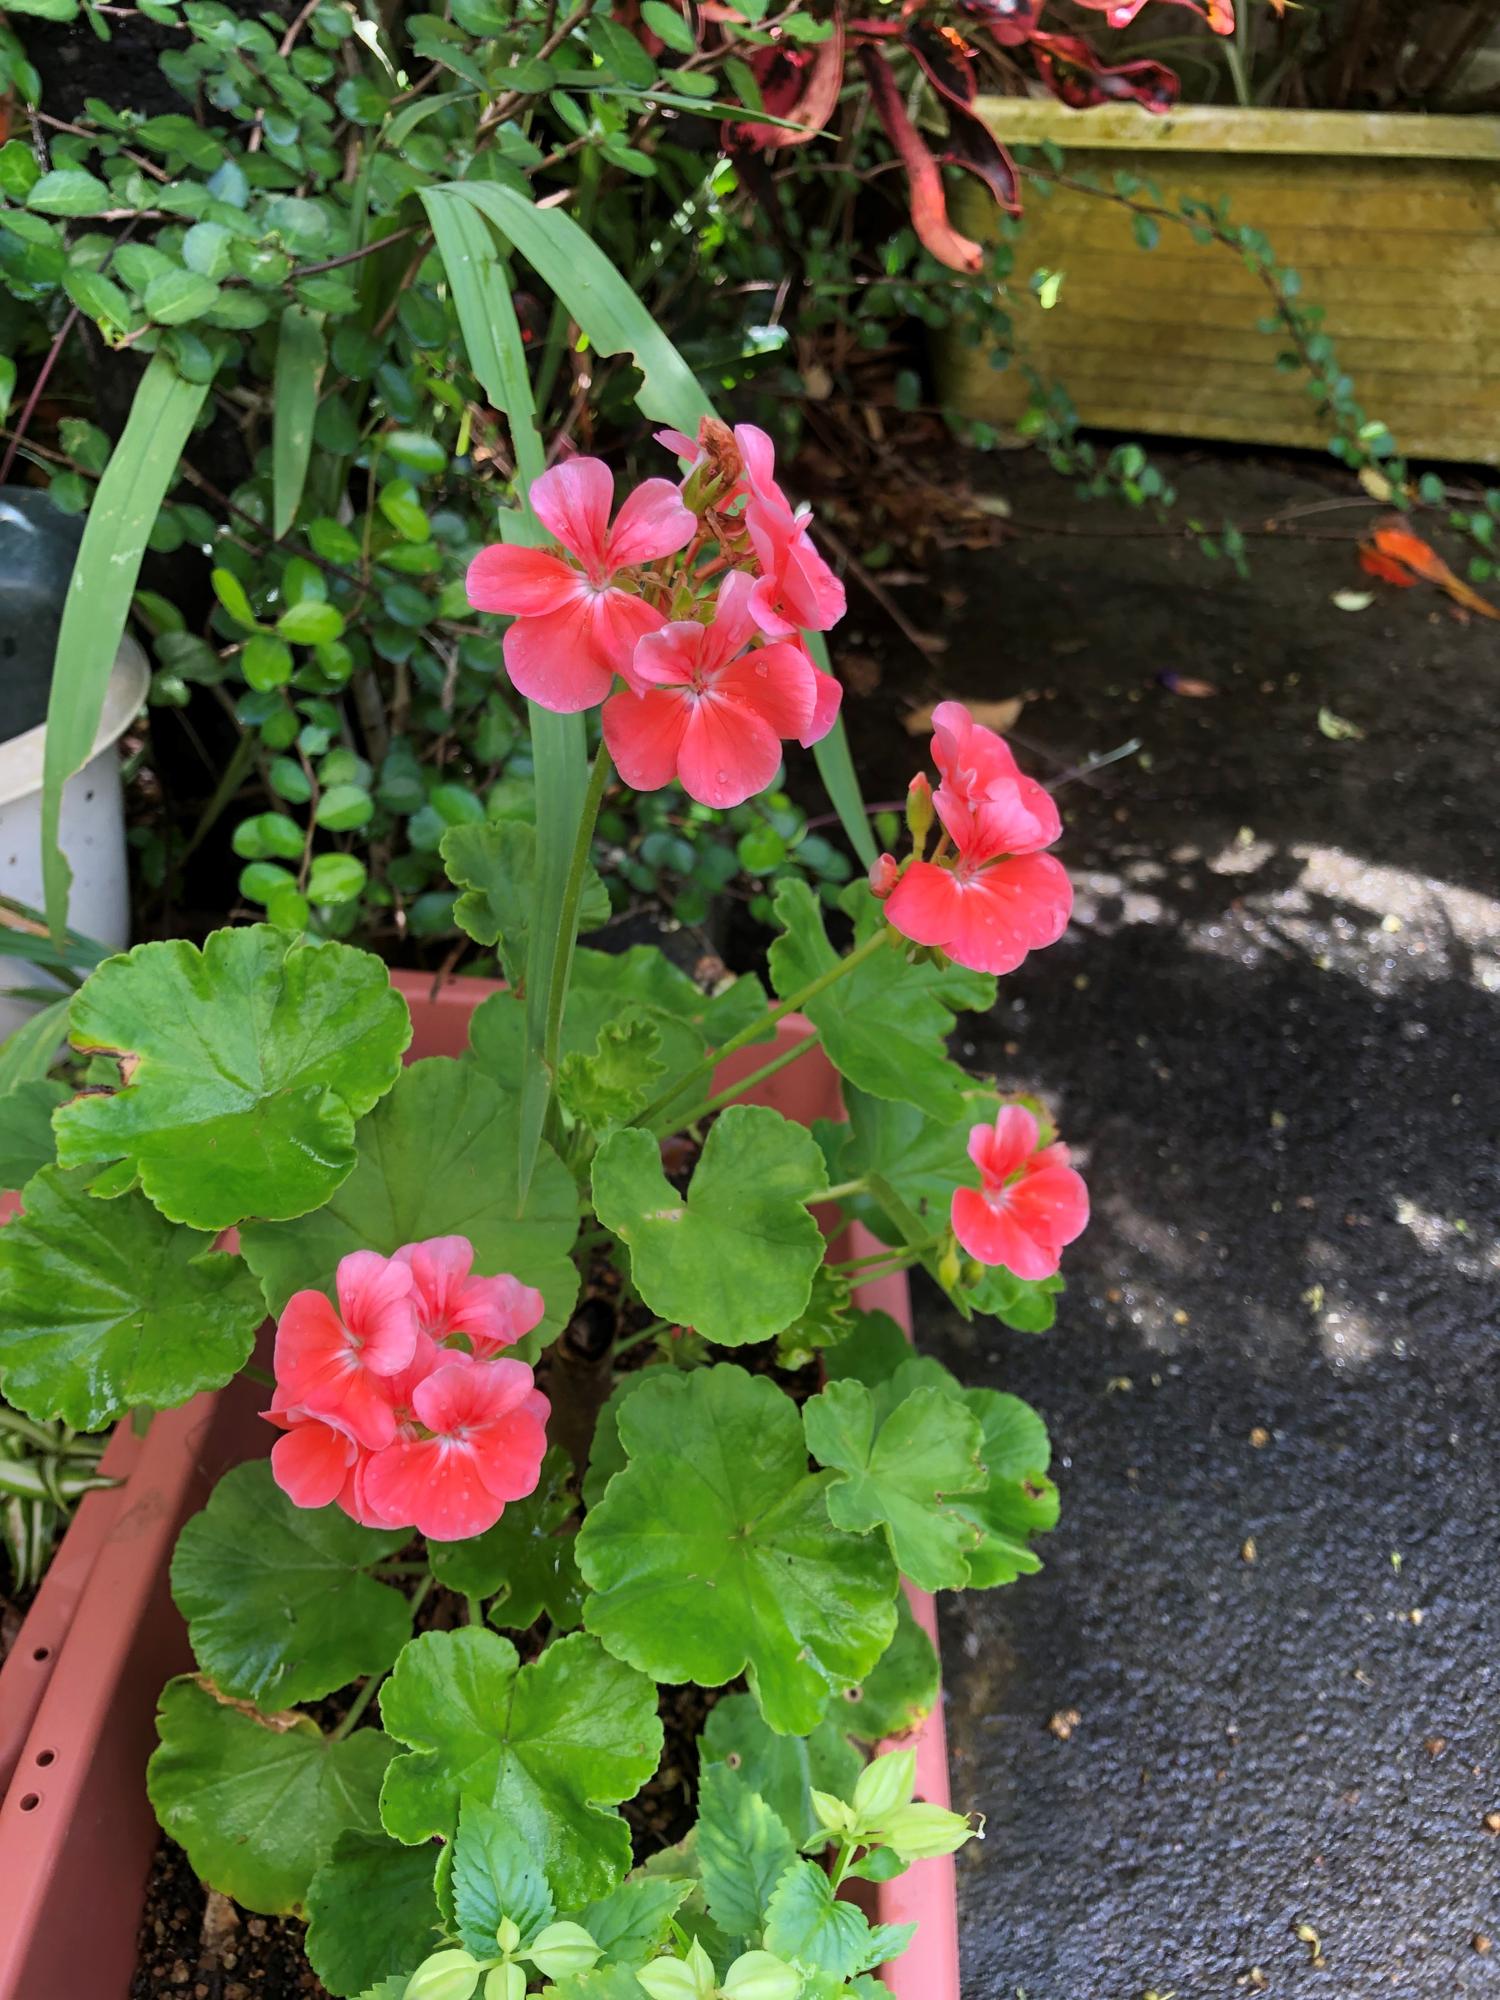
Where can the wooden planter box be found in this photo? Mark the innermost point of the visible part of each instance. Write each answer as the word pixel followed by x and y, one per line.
pixel 77 1832
pixel 1391 222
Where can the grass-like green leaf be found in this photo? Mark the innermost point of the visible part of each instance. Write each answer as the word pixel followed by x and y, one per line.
pixel 300 355
pixel 481 288
pixel 28 1053
pixel 134 484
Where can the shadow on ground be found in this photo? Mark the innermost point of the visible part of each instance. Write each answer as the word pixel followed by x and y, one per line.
pixel 1274 1388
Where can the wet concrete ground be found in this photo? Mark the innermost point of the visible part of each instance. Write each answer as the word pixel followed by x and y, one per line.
pixel 1269 1623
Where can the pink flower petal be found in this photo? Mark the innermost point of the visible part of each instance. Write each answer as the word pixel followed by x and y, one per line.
pixel 311 1463
pixel 643 734
pixel 553 660
pixel 378 1309
pixel 668 657
pixel 621 622
pixel 758 456
pixel 572 502
pixel 923 906
pixel 523 582
pixel 1051 1202
pixel 828 695
pixel 428 1484
pixel 1002 1149
pixel 439 1267
pixel 995 1236
pixel 497 1312
pixel 653 522
pixel 728 754
pixel 774 684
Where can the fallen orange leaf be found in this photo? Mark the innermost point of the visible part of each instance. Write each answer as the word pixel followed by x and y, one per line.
pixel 996 715
pixel 1395 544
pixel 1385 567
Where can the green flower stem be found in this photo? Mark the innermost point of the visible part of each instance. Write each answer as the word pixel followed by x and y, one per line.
pixel 841 1191
pixel 568 915
pixel 876 941
pixel 646 1333
pixel 373 1685
pixel 900 1256
pixel 723 1097
pixel 841 1867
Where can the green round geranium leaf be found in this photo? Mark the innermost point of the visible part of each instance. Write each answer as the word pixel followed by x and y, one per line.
pixel 902 1690
pixel 278 1603
pixel 901 1474
pixel 258 1801
pixel 246 1066
pixel 553 1747
pixel 737 1255
pixel 439 1157
pixel 372 1912
pixel 748 1573
pixel 523 1562
pixel 106 1306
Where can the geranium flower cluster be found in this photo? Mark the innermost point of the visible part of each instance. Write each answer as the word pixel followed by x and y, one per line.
pixel 394 1403
pixel 683 615
pixel 1030 1202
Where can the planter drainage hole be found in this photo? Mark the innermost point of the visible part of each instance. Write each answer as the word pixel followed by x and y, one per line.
pixel 46 1757
pixel 42 1653
pixel 31 1801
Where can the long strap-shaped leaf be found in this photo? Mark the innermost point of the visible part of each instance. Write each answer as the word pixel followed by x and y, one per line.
pixel 300 355
pixel 135 483
pixel 616 322
pixel 492 336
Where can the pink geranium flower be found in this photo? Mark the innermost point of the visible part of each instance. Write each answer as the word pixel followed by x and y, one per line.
pixel 999 898
pixel 480 1443
pixel 577 621
pixel 489 1313
pixel 796 591
pixel 1030 1201
pixel 711 711
pixel 332 1364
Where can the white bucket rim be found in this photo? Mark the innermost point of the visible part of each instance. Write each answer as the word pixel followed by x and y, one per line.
pixel 21 759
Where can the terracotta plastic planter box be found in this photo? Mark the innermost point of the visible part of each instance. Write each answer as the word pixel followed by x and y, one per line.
pixel 1388 219
pixel 78 1723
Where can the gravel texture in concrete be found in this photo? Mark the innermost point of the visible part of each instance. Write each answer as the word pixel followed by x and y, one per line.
pixel 1243 1733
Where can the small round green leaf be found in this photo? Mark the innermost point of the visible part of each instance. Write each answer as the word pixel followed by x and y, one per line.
pixel 311 623
pixel 336 878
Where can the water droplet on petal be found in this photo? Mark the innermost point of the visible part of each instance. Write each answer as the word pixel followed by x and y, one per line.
pixel 721 777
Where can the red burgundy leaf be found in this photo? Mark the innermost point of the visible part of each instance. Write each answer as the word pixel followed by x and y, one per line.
pixel 1010 22
pixel 929 208
pixel 971 144
pixel 797 83
pixel 1219 14
pixel 1072 72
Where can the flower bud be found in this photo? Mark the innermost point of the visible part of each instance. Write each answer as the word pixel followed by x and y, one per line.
pixel 759 1975
pixel 884 875
pixel 447 1975
pixel 562 1950
pixel 949 1269
pixel 503 1982
pixel 885 1784
pixel 507 1935
pixel 917 1832
pixel 919 810
pixel 690 1978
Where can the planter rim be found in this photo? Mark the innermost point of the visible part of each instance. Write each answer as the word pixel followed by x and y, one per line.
pixel 63 1866
pixel 1230 128
pixel 21 759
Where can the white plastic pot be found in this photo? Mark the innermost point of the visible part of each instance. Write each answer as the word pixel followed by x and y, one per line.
pixel 92 828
